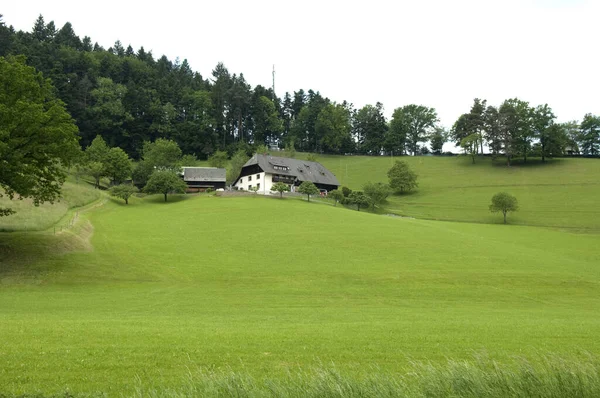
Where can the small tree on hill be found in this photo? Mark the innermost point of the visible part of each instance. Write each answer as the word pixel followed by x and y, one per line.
pixel 336 195
pixel 165 182
pixel 281 188
pixel 123 191
pixel 96 170
pixel 469 145
pixel 346 191
pixel 377 192
pixel 359 199
pixel 402 178
pixel 218 159
pixel 117 165
pixel 311 157
pixel 308 188
pixel 505 203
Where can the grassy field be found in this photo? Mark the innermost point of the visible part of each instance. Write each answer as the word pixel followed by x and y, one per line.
pixel 264 287
pixel 561 193
pixel 38 218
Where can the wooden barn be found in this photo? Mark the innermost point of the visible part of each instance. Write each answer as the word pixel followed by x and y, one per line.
pixel 199 179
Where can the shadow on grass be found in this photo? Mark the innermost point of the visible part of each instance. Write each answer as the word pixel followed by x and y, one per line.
pixel 171 198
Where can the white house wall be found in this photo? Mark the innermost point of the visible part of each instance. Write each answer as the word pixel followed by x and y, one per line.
pixel 264 179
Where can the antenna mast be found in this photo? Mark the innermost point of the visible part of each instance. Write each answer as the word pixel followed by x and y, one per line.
pixel 273 82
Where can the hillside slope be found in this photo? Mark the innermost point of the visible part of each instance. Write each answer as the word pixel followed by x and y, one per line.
pixel 561 193
pixel 266 285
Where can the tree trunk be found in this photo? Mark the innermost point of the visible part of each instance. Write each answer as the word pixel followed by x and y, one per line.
pixel 308 197
pixel 358 207
pixel 473 158
pixel 126 201
pixel 165 197
pixel 504 212
pixel 281 195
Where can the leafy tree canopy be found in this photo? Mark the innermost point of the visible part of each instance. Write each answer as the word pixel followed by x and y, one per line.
pixel 123 191
pixel 308 188
pixel 280 187
pixel 376 192
pixel 402 178
pixel 165 182
pixel 504 202
pixel 336 195
pixel 38 138
pixel 359 199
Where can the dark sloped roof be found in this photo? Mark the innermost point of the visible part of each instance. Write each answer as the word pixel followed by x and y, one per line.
pixel 301 169
pixel 203 174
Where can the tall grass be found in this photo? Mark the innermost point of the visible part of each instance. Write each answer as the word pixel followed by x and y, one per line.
pixel 38 218
pixel 483 378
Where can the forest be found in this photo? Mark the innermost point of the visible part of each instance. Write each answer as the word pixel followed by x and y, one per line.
pixel 129 97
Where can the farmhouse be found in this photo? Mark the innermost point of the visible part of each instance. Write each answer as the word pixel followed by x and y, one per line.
pixel 262 171
pixel 199 179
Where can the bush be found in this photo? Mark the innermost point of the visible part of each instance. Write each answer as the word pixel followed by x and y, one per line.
pixel 346 191
pixel 210 190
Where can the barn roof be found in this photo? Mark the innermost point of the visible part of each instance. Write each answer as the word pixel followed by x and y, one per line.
pixel 304 170
pixel 203 174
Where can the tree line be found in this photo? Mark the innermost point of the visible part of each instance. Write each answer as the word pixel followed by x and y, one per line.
pixel 129 97
pixel 517 129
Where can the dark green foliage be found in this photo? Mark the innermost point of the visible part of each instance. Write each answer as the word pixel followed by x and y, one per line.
pixel 589 137
pixel 346 191
pixel 218 159
pixel 235 166
pixel 165 182
pixel 402 178
pixel 280 187
pixel 38 138
pixel 359 199
pixel 438 139
pixel 336 195
pixel 469 144
pixel 117 166
pixel 504 202
pixel 376 192
pixel 410 125
pixel 308 188
pixel 369 129
pixel 123 191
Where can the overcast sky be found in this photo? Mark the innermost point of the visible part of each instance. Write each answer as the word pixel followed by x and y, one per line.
pixel 438 53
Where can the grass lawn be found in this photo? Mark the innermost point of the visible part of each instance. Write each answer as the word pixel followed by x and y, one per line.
pixel 266 286
pixel 31 218
pixel 560 193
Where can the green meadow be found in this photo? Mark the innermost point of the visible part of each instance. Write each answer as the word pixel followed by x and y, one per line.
pixel 208 295
pixel 560 193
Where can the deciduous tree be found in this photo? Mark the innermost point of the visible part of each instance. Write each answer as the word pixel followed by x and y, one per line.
pixel 359 199
pixel 218 159
pixel 123 191
pixel 336 195
pixel 505 203
pixel 38 138
pixel 308 188
pixel 402 178
pixel 376 192
pixel 165 182
pixel 589 138
pixel 281 188
pixel 117 165
pixel 469 145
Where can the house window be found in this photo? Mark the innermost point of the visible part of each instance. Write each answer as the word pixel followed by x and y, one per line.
pixel 249 178
pixel 257 187
pixel 241 180
pixel 249 187
pixel 258 176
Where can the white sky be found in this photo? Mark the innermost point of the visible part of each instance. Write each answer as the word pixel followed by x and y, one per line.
pixel 438 53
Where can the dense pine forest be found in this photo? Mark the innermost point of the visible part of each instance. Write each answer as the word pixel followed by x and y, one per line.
pixel 129 97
